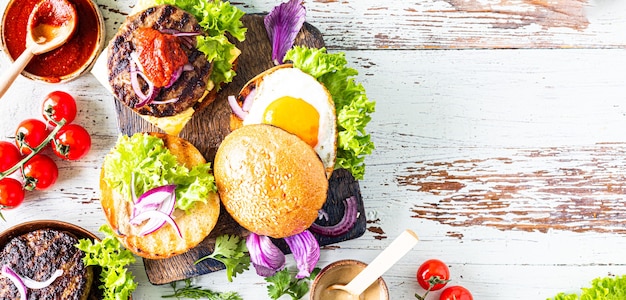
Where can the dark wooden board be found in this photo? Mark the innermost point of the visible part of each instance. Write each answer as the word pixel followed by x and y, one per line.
pixel 207 129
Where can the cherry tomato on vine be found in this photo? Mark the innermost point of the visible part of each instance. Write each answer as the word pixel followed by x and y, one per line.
pixel 59 105
pixel 11 193
pixel 433 274
pixel 9 155
pixel 72 142
pixel 30 132
pixel 40 172
pixel 456 292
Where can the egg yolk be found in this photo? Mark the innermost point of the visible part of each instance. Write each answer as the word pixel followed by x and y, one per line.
pixel 295 116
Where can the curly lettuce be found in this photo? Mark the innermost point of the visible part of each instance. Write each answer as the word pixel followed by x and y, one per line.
pixel 217 18
pixel 606 288
pixel 144 160
pixel 351 103
pixel 117 282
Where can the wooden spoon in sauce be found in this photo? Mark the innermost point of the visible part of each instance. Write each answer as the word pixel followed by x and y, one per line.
pixel 392 254
pixel 50 25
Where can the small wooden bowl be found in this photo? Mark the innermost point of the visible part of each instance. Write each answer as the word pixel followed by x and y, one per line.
pixel 77 231
pixel 27 227
pixel 92 7
pixel 341 272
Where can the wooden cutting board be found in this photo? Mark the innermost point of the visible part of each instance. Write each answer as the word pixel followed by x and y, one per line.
pixel 208 128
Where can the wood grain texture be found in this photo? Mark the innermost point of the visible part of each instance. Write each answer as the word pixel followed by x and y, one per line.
pixel 455 24
pixel 435 109
pixel 207 129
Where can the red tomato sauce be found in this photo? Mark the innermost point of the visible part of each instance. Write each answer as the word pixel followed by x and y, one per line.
pixel 160 55
pixel 62 61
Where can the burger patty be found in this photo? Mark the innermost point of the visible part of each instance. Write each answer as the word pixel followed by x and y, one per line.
pixel 191 85
pixel 37 255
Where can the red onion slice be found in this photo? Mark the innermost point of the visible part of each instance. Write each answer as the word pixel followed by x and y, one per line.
pixel 306 252
pixel 165 101
pixel 33 284
pixel 134 81
pixel 162 198
pixel 350 215
pixel 16 279
pixel 247 103
pixel 160 219
pixel 175 77
pixel 237 110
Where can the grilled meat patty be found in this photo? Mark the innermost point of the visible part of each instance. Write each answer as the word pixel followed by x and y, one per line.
pixel 189 88
pixel 37 255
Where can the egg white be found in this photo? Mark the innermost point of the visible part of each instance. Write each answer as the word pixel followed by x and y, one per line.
pixel 297 84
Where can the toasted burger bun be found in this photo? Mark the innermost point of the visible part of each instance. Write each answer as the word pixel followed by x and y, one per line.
pixel 330 154
pixel 195 225
pixel 270 181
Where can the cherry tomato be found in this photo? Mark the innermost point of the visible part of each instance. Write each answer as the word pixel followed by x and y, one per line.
pixel 59 105
pixel 31 132
pixel 433 274
pixel 11 193
pixel 9 155
pixel 40 172
pixel 456 292
pixel 72 142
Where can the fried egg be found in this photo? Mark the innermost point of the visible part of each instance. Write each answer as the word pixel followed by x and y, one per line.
pixel 297 103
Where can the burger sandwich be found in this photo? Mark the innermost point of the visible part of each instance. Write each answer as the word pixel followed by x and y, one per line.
pixel 292 125
pixel 167 62
pixel 158 194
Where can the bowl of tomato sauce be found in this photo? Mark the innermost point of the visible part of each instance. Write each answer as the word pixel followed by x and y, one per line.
pixel 65 63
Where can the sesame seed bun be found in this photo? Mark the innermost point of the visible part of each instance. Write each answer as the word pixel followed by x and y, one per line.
pixel 195 224
pixel 270 181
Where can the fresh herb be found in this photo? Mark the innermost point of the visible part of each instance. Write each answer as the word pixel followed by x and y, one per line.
pixel 285 283
pixel 117 281
pixel 217 18
pixel 606 288
pixel 351 104
pixel 196 292
pixel 230 250
pixel 153 165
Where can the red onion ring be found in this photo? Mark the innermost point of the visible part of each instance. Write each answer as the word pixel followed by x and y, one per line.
pixel 237 110
pixel 33 284
pixel 160 217
pixel 145 99
pixel 247 103
pixel 16 279
pixel 23 283
pixel 165 101
pixel 348 220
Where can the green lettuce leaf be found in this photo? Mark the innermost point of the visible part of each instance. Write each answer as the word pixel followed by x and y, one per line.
pixel 146 158
pixel 606 288
pixel 351 103
pixel 117 282
pixel 217 18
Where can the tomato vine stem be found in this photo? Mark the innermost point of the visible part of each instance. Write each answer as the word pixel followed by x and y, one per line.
pixel 34 151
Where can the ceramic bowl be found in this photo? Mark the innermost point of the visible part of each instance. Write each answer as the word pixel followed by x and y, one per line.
pixel 77 231
pixel 92 56
pixel 341 272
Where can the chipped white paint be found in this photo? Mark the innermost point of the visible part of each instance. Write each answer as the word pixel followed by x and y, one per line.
pixel 482 116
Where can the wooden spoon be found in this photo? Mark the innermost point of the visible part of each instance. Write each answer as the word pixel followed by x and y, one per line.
pixel 50 25
pixel 383 262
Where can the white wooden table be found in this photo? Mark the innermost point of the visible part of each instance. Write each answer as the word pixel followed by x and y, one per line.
pixel 499 131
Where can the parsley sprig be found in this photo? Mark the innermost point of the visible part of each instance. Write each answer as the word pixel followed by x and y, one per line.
pixel 196 292
pixel 230 250
pixel 285 283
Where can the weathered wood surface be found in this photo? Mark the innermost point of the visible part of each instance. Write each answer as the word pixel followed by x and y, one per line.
pixel 509 164
pixel 453 24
